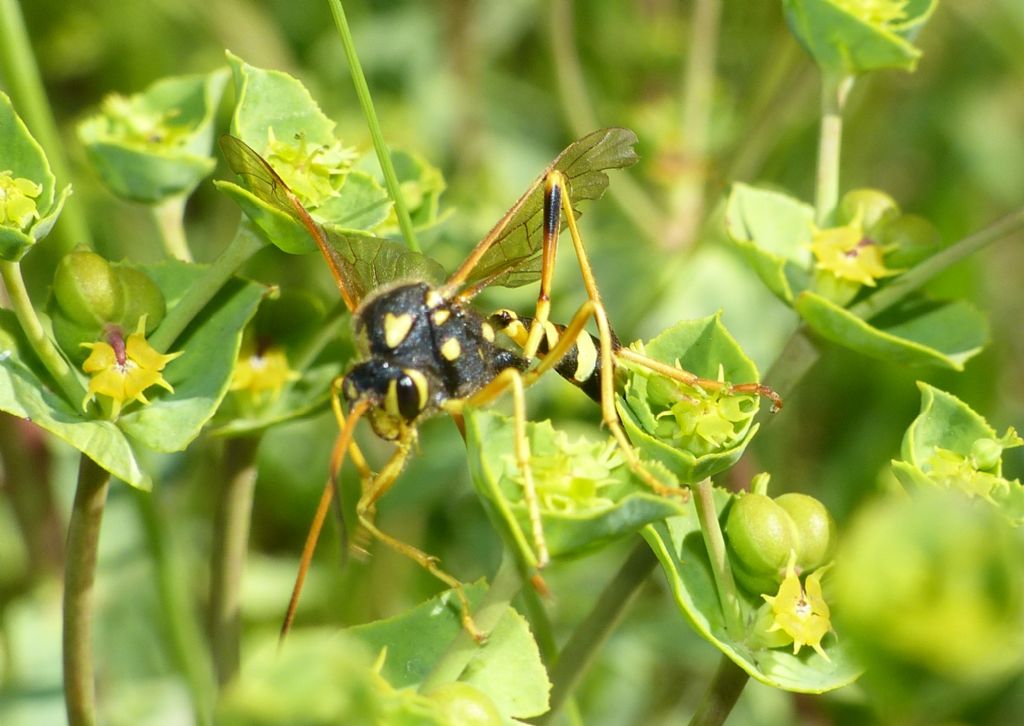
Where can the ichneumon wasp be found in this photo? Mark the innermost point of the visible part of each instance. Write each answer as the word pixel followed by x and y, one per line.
pixel 423 349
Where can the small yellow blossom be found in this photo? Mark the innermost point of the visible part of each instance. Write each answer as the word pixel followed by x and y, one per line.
pixel 801 612
pixel 314 172
pixel 262 372
pixel 848 254
pixel 123 369
pixel 17 200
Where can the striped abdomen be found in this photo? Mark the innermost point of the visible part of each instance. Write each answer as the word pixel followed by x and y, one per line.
pixel 581 365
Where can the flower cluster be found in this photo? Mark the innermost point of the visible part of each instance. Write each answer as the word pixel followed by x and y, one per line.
pixel 313 171
pixel 17 200
pixel 800 611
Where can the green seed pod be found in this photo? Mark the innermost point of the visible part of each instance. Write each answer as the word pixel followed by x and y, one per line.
pixel 87 289
pixel 141 297
pixel 875 207
pixel 761 535
pixel 465 705
pixel 816 530
pixel 909 239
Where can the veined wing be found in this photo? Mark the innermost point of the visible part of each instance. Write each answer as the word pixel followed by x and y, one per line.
pixel 509 255
pixel 359 262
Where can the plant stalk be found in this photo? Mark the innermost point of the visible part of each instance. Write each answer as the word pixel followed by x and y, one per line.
pixel 505 585
pixel 707 514
pixel 183 634
pixel 169 216
pixel 244 245
pixel 25 83
pixel 366 101
pixel 721 695
pixel 44 348
pixel 834 91
pixel 687 195
pixel 230 542
pixel 79 574
pixel 579 111
pixel 588 637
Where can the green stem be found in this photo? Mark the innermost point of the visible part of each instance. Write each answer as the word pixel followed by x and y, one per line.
pixel 44 348
pixel 687 195
pixel 383 155
pixel 183 633
pixel 792 364
pixel 917 276
pixel 245 244
pixel 707 514
pixel 505 585
pixel 834 90
pixel 721 694
pixel 79 573
pixel 26 87
pixel 169 216
pixel 230 542
pixel 588 637
pixel 578 109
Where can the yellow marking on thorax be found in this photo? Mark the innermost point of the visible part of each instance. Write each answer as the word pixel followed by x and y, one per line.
pixel 433 298
pixel 396 327
pixel 451 349
pixel 586 357
pixel 441 315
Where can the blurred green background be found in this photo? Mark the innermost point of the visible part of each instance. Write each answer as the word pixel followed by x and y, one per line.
pixel 489 92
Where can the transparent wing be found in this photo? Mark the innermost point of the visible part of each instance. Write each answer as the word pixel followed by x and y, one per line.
pixel 359 262
pixel 509 255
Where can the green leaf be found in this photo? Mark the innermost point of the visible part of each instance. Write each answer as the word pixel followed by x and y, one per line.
pixel 23 393
pixel 268 99
pixel 24 158
pixel 679 546
pixel 202 374
pixel 362 204
pixel 507 667
pixel 513 259
pixel 842 41
pixel 578 513
pixel 156 144
pixel 773 231
pixel 939 449
pixel 944 422
pixel 916 332
pixel 703 347
pixel 319 678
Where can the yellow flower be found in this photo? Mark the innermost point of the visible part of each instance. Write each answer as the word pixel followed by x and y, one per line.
pixel 124 369
pixel 876 12
pixel 848 254
pixel 17 200
pixel 260 372
pixel 801 612
pixel 314 172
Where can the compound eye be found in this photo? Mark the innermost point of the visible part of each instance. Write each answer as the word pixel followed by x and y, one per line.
pixel 408 395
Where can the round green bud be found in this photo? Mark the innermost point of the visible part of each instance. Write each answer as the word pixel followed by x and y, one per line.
pixel 86 288
pixel 874 206
pixel 465 705
pixel 816 530
pixel 760 535
pixel 909 239
pixel 986 454
pixel 141 297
